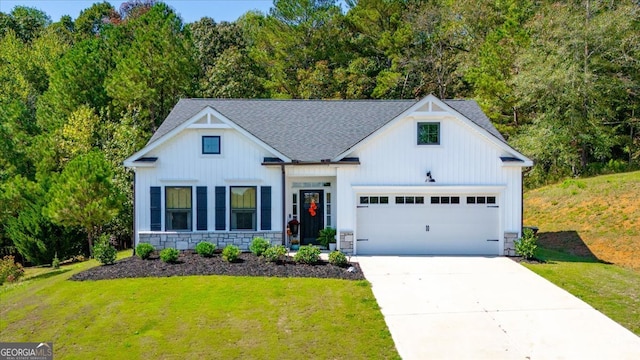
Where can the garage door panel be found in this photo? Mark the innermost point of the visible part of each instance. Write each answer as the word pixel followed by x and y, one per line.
pixel 428 229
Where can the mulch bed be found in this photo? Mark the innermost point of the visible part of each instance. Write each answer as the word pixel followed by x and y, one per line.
pixel 190 263
pixel 520 259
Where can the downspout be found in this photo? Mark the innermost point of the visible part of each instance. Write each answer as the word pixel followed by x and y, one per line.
pixel 521 201
pixel 284 210
pixel 133 225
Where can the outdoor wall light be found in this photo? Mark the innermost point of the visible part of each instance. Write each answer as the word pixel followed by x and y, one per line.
pixel 429 178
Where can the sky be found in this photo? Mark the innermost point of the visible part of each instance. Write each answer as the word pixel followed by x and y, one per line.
pixel 189 10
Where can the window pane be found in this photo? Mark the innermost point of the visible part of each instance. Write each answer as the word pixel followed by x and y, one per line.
pixel 374 199
pixel 384 199
pixel 211 144
pixel 455 200
pixel 480 199
pixel 419 199
pixel 243 208
pixel 435 200
pixel 295 198
pixel 491 199
pixel 328 221
pixel 399 199
pixel 243 197
pixel 178 208
pixel 444 199
pixel 408 199
pixel 328 209
pixel 178 198
pixel 428 133
pixel 471 199
pixel 364 199
pixel 328 198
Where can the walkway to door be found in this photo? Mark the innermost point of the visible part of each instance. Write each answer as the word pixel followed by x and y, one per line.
pixel 439 307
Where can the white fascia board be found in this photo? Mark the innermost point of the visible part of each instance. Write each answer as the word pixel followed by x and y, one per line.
pixel 207 110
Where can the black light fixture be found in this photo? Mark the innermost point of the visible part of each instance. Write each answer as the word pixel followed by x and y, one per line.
pixel 429 178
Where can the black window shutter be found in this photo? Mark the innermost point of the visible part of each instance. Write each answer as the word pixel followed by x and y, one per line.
pixel 201 206
pixel 220 208
pixel 156 208
pixel 265 208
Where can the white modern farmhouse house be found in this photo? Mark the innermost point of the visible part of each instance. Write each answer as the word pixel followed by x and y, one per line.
pixel 425 176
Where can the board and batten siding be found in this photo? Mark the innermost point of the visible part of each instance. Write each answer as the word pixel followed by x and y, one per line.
pixel 181 163
pixel 463 161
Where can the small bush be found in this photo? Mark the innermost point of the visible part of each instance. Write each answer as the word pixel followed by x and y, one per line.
pixel 307 254
pixel 10 270
pixel 526 246
pixel 327 236
pixel 104 252
pixel 258 246
pixel 205 249
pixel 275 253
pixel 337 258
pixel 230 253
pixel 169 255
pixel 144 250
pixel 55 263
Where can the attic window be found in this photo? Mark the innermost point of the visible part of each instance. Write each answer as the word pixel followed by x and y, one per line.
pixel 211 145
pixel 428 133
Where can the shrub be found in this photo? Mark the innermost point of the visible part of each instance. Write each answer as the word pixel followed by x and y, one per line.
pixel 307 254
pixel 205 249
pixel 326 236
pixel 55 263
pixel 337 258
pixel 169 255
pixel 144 250
pixel 275 253
pixel 259 245
pixel 10 270
pixel 103 251
pixel 230 253
pixel 526 246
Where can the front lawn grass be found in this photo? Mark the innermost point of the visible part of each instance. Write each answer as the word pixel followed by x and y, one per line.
pixel 196 317
pixel 612 290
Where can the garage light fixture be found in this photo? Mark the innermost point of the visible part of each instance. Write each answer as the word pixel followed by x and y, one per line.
pixel 429 178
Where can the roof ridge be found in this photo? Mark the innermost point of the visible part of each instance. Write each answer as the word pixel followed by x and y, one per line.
pixel 302 100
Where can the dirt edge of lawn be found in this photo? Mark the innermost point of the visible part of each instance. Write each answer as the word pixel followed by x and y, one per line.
pixel 190 263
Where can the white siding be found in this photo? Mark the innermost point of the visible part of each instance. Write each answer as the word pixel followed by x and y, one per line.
pixel 464 160
pixel 181 163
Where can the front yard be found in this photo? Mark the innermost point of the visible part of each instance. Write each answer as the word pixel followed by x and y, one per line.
pixel 196 316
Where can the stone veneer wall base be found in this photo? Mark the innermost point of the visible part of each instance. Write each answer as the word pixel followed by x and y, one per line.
pixel 510 243
pixel 189 240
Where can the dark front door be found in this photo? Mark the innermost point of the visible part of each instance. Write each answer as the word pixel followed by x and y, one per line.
pixel 311 215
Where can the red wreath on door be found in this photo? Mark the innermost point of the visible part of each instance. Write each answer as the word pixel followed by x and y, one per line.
pixel 313 207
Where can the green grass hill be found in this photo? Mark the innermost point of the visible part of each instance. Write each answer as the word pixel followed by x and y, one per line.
pixel 592 217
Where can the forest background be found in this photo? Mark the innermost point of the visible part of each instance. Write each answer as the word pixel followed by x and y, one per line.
pixel 560 80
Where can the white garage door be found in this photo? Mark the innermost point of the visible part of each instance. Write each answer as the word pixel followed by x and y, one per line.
pixel 461 224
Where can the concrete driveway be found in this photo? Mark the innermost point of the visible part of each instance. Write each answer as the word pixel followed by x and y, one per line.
pixel 487 308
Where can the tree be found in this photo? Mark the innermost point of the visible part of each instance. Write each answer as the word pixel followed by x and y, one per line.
pixel 568 84
pixel 156 69
pixel 83 196
pixel 26 22
pixel 295 37
pixel 35 237
pixel 92 21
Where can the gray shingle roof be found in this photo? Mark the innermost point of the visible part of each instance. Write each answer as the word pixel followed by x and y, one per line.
pixel 310 130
